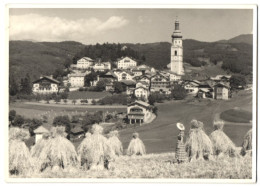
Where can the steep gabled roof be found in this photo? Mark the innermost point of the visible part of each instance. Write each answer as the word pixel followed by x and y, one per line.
pixel 141 87
pixel 48 78
pixel 41 130
pixel 141 103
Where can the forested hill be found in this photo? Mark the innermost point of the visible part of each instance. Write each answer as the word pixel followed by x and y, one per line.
pixel 43 58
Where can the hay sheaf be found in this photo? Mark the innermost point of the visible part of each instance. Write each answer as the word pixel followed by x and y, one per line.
pixel 198 144
pixel 222 143
pixel 16 133
pixel 58 151
pixel 247 143
pixel 94 149
pixel 19 157
pixel 114 143
pixel 136 147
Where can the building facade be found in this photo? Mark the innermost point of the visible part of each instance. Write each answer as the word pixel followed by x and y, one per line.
pixel 102 66
pixel 84 63
pixel 77 80
pixel 177 51
pixel 160 83
pixel 221 91
pixel 141 93
pixel 125 63
pixel 138 112
pixel 45 85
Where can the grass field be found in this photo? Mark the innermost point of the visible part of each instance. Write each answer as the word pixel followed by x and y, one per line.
pixel 161 135
pixel 158 166
pixel 236 115
pixel 36 111
pixel 87 95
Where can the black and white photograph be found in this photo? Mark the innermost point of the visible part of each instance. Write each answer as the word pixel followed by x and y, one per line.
pixel 131 92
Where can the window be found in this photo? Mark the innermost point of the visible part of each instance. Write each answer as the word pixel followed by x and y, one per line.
pixel 175 53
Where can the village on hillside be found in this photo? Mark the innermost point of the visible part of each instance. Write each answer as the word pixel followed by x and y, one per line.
pixel 132 100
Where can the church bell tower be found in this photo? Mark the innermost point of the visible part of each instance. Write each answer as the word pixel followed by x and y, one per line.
pixel 177 51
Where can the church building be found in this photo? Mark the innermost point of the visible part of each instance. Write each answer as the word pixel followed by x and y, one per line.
pixel 176 65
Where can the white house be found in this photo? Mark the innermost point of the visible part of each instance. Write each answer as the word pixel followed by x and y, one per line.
pixel 125 63
pixel 124 75
pixel 192 87
pixel 142 84
pixel 102 66
pixel 138 112
pixel 84 63
pixel 141 92
pixel 77 80
pixel 45 85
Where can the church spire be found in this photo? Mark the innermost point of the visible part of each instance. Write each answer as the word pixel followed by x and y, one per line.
pixel 177 32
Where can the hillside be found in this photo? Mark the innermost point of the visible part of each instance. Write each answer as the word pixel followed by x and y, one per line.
pixel 39 58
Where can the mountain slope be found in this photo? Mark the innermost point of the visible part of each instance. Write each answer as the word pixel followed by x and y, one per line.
pixel 243 38
pixel 39 58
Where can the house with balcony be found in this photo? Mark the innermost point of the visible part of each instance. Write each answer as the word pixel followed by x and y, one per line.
pixel 45 85
pixel 160 83
pixel 102 66
pixel 141 93
pixel 138 112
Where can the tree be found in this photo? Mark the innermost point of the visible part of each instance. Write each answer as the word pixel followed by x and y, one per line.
pixel 65 101
pixel 26 85
pixel 119 88
pixel 101 85
pixel 12 115
pixel 13 86
pixel 152 99
pixel 57 99
pixel 67 63
pixel 62 121
pixel 64 95
pixel 74 101
pixel 33 124
pixel 237 81
pixel 179 92
pixel 18 121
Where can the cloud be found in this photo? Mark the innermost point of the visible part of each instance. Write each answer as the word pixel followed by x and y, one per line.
pixel 44 28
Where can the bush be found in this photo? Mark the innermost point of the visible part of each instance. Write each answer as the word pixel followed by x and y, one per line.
pixel 12 115
pixel 62 121
pixel 84 101
pixel 18 121
pixel 179 92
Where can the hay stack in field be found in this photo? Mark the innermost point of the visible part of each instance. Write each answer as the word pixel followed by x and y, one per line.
pixel 136 146
pixel 95 149
pixel 115 143
pixel 83 150
pixel 247 143
pixel 58 152
pixel 19 155
pixel 222 145
pixel 198 144
pixel 38 147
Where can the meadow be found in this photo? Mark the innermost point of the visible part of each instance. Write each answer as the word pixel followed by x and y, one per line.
pixel 161 134
pixel 87 95
pixel 159 166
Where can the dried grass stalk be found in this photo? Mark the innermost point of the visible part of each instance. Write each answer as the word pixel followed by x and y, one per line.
pixel 115 143
pixel 58 152
pixel 16 133
pixel 38 147
pixel 136 146
pixel 94 149
pixel 19 155
pixel 198 144
pixel 222 144
pixel 247 143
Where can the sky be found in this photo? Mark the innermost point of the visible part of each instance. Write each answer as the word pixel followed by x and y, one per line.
pixel 91 26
